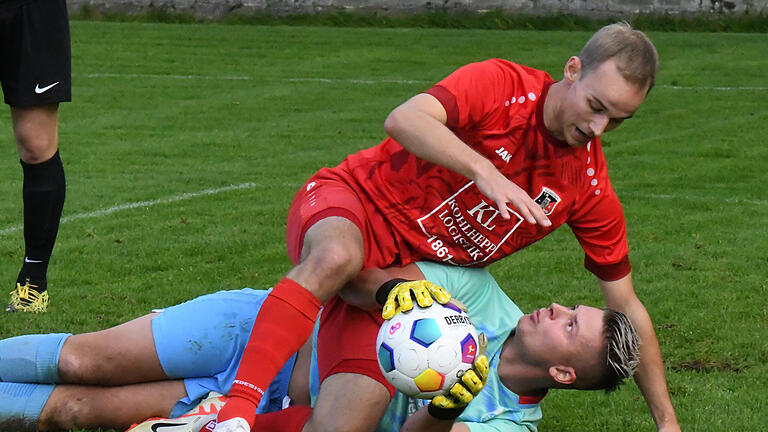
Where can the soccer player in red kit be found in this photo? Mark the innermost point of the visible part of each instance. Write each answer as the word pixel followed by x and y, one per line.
pixel 489 160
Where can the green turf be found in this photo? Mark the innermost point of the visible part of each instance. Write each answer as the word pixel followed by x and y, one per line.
pixel 237 117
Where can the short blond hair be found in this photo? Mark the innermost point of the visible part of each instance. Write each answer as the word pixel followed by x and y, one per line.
pixel 616 360
pixel 634 53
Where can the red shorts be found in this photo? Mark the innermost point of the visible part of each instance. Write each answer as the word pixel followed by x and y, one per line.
pixel 327 194
pixel 346 342
pixel 347 335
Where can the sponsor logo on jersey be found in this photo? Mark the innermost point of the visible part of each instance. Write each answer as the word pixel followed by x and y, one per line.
pixel 548 200
pixel 474 229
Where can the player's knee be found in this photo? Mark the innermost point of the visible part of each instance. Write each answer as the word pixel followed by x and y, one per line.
pixel 66 414
pixel 73 367
pixel 83 361
pixel 336 261
pixel 35 146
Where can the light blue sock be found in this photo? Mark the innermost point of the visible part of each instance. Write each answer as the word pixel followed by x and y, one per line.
pixel 22 405
pixel 31 358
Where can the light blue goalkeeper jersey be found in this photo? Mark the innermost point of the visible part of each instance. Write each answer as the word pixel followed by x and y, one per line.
pixel 496 408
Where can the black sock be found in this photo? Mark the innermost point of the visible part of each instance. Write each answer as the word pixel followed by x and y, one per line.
pixel 43 191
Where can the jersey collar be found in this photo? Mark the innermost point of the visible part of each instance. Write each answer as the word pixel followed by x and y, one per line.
pixel 530 400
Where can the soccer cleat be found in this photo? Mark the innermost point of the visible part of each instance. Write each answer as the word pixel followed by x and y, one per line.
pixel 26 298
pixel 235 424
pixel 195 423
pixel 201 418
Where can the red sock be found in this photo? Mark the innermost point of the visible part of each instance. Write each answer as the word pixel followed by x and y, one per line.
pixel 291 419
pixel 284 323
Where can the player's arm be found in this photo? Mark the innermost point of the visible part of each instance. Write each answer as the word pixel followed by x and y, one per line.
pixel 419 125
pixel 361 291
pixel 620 295
pixel 393 290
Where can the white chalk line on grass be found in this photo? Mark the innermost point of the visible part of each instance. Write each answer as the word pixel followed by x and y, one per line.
pixel 697 198
pixel 189 195
pixel 359 81
pixel 140 204
pixel 674 87
pixel 183 77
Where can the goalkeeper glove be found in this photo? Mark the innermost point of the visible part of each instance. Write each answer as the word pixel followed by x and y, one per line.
pixel 449 406
pixel 395 296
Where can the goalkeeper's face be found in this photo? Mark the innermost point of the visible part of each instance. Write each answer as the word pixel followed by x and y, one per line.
pixel 559 335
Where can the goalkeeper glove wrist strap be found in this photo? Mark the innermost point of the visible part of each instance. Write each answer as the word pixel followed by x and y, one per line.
pixel 383 292
pixel 444 413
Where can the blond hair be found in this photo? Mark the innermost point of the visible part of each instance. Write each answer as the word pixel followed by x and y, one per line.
pixel 634 53
pixel 618 357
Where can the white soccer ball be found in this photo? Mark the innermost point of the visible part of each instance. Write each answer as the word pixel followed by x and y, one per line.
pixel 423 352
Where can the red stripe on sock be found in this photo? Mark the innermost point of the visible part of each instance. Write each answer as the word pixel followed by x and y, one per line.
pixel 284 323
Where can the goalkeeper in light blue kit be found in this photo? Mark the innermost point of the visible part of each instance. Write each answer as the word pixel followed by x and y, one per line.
pixel 162 365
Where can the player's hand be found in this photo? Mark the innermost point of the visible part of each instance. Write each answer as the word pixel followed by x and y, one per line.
pixel 451 405
pixel 399 299
pixel 501 191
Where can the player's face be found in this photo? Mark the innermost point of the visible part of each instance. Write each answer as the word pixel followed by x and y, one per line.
pixel 597 102
pixel 559 335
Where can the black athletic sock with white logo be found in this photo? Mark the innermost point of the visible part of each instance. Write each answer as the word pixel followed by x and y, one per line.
pixel 43 191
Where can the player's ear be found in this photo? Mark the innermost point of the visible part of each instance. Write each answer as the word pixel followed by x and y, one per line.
pixel 563 374
pixel 572 69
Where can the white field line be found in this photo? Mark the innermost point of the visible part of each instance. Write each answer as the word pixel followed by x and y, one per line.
pixel 673 87
pixel 699 198
pixel 140 204
pixel 190 195
pixel 358 81
pixel 162 76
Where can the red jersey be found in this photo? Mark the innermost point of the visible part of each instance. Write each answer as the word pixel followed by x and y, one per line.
pixel 435 214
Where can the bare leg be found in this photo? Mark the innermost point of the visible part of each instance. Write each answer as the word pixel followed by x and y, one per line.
pixel 339 409
pixel 36 131
pixel 90 407
pixel 124 354
pixel 298 386
pixel 331 256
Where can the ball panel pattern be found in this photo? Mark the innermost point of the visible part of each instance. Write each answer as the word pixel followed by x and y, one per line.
pixel 429 381
pixel 425 331
pixel 386 358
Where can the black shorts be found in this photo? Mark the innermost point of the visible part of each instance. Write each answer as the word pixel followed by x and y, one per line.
pixel 35 64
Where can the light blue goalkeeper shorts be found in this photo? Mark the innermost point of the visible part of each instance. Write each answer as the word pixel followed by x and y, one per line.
pixel 202 341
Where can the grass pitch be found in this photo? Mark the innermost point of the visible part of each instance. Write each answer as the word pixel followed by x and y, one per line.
pixel 185 144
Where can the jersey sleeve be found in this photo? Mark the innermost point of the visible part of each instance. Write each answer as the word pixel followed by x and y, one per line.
pixel 474 95
pixel 601 231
